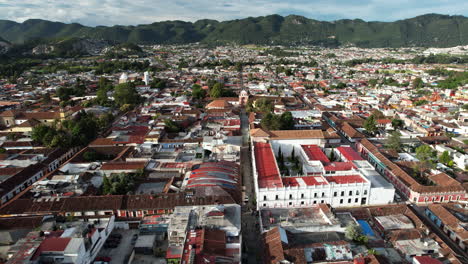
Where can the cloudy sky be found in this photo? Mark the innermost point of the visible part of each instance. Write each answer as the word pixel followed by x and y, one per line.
pixel 133 12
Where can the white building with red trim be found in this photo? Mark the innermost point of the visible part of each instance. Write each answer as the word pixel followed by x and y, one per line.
pixel 346 181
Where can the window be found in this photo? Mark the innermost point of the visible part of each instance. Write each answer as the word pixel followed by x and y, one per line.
pixel 264 205
pixel 342 193
pixel 302 202
pixel 335 194
pixel 322 201
pixel 302 195
pixel 315 195
pixel 341 201
pixel 264 198
pixel 426 199
pixel 290 203
pixel 315 202
pixel 276 197
pixel 350 193
pixel 357 192
pixel 458 197
pixel 349 200
pixel 323 194
pixel 365 192
pixel 356 200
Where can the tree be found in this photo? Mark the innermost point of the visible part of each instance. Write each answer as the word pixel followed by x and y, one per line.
pixel 293 154
pixel 39 132
pixel 417 83
pixel 371 124
pixel 217 90
pixel 271 122
pixel 198 92
pixel 373 82
pixel 397 123
pixel 46 98
pixel 106 185
pixel 125 93
pixel 101 96
pixel 63 94
pixel 420 102
pixel 171 126
pixel 445 158
pixel 90 155
pixel 353 231
pixel 287 121
pixel 280 156
pixel 394 141
pixel 425 155
pixel 332 155
pixel 264 105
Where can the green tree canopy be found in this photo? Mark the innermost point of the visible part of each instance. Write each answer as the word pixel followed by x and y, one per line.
pixel 425 154
pixel 370 124
pixel 397 123
pixel 125 93
pixel 217 90
pixel 394 141
pixel 417 83
pixel 445 158
pixel 287 121
pixel 353 231
pixel 198 92
pixel 171 126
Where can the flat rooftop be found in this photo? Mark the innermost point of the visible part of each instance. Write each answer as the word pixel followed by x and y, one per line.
pixel 297 217
pixel 394 222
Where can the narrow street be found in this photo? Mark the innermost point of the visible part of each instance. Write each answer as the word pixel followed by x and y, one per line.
pixel 251 248
pixel 419 211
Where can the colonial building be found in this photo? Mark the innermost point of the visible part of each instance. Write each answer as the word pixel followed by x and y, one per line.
pixel 292 169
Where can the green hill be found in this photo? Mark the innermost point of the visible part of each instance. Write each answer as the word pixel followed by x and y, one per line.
pixel 427 30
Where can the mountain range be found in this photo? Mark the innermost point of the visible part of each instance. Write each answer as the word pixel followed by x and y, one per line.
pixel 431 30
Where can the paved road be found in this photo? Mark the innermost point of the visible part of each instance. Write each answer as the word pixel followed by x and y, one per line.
pixel 419 211
pixel 250 229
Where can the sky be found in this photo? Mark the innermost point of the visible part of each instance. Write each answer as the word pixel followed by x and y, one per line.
pixel 134 12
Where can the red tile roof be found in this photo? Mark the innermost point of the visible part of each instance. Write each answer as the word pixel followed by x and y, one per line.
pixel 339 166
pixel 268 174
pixel 345 179
pixel 349 153
pixel 52 244
pixel 301 181
pixel 123 165
pixel 426 260
pixel 314 152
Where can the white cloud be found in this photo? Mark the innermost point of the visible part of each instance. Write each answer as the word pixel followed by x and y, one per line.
pixel 132 12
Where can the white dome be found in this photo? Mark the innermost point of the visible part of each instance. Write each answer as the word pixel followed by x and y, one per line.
pixel 124 76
